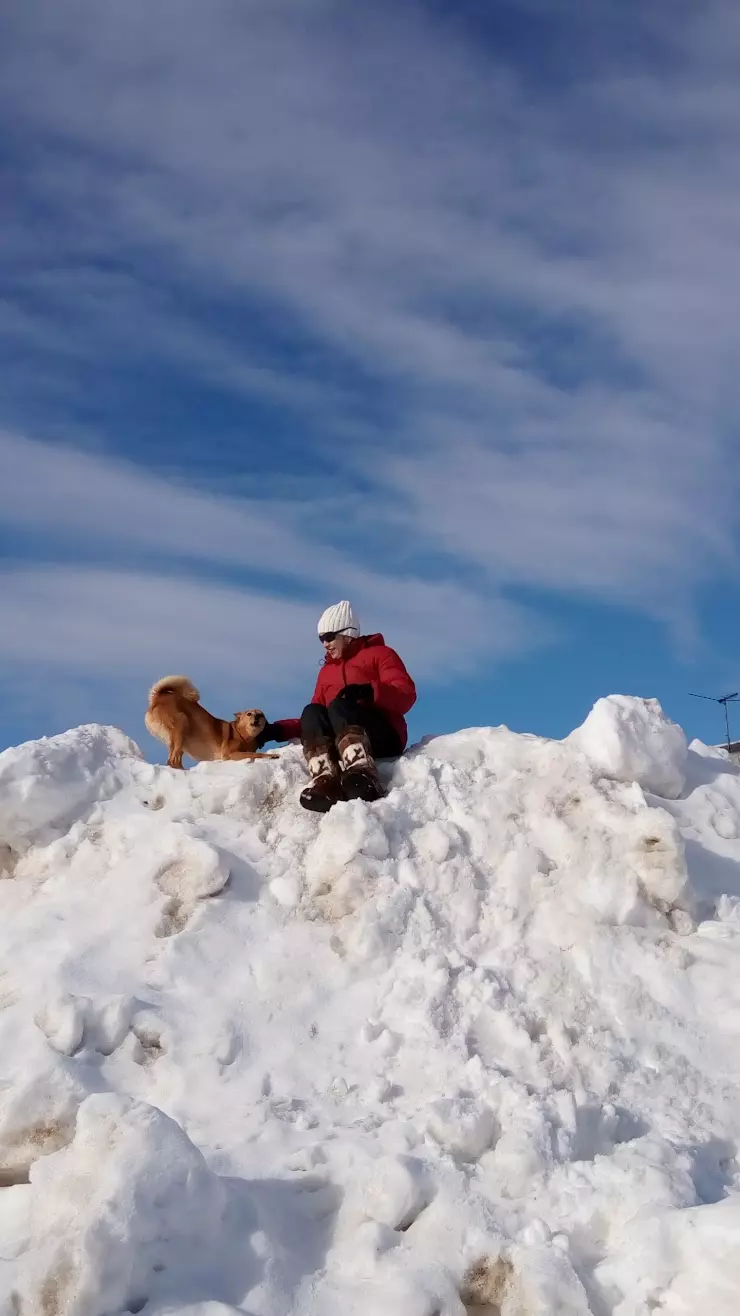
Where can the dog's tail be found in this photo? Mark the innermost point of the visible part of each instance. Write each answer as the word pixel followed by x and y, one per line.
pixel 176 685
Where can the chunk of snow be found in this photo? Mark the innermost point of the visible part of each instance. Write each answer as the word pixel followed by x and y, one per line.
pixel 463 1126
pixel 677 1262
pixel 127 1212
pixel 70 1022
pixel 45 785
pixel 37 1114
pixel 107 1022
pixel 286 891
pixel 630 739
pixel 62 1022
pixel 396 1191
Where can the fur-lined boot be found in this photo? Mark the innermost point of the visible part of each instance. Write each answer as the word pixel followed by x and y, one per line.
pixel 326 788
pixel 360 780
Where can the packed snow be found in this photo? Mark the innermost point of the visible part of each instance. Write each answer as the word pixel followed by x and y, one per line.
pixel 473 1049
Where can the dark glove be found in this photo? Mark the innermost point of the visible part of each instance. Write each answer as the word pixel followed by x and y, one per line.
pixel 359 694
pixel 272 731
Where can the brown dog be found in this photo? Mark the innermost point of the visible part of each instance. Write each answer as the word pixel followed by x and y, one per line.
pixel 175 717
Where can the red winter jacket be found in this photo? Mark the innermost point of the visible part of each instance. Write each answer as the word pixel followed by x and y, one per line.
pixel 367 659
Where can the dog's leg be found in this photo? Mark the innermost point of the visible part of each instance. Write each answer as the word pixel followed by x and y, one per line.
pixel 177 730
pixel 227 736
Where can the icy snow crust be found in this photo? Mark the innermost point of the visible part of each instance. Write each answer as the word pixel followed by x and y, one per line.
pixel 443 1054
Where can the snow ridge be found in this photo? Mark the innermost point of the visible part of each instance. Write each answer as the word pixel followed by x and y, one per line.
pixel 472 1049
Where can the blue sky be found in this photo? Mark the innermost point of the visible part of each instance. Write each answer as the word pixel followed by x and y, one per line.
pixel 433 306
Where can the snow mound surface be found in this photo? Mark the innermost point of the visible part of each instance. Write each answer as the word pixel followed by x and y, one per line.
pixel 474 1049
pixel 632 740
pixel 46 784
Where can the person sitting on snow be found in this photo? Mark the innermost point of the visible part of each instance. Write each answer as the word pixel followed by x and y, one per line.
pixel 356 714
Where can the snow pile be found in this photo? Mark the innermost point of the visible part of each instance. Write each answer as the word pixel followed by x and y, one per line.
pixel 47 784
pixel 632 740
pixel 445 1054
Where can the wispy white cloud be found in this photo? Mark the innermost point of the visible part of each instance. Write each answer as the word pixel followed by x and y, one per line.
pixel 86 643
pixel 159 603
pixel 99 501
pixel 140 624
pixel 601 499
pixel 539 277
pixel 124 622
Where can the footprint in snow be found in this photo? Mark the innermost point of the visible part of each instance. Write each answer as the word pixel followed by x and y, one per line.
pixel 487 1285
pixel 186 880
pixel 175 918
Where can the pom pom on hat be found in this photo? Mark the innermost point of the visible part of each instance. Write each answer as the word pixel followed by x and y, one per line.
pixel 339 617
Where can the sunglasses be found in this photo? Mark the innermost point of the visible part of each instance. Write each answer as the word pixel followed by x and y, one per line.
pixel 328 636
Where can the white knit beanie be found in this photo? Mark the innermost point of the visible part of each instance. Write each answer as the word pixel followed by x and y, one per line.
pixel 339 617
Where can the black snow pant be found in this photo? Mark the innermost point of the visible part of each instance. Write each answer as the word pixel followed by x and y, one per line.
pixel 321 723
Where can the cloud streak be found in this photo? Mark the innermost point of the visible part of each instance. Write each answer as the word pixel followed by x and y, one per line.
pixel 497 301
pixel 161 600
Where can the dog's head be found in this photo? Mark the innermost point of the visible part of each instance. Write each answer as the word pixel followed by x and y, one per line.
pixel 250 722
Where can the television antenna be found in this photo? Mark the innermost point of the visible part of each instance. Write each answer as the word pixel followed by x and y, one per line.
pixel 724 700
